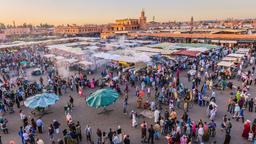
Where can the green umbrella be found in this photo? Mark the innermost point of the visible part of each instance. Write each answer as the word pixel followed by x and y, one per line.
pixel 102 98
pixel 24 62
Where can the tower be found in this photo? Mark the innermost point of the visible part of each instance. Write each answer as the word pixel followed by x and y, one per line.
pixel 13 22
pixel 191 24
pixel 143 19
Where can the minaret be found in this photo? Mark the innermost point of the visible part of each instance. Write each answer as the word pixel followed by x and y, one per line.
pixel 13 22
pixel 191 24
pixel 143 19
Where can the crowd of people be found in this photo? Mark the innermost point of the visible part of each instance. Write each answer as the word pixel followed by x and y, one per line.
pixel 159 89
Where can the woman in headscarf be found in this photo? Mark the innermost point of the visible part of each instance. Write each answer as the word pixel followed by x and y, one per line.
pixel 193 129
pixel 206 132
pixel 246 130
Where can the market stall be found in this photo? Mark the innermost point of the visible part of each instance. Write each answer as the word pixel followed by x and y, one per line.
pixel 188 53
pixel 243 51
pixel 236 55
pixel 225 64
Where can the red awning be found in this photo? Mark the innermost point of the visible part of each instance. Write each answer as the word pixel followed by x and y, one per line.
pixel 187 53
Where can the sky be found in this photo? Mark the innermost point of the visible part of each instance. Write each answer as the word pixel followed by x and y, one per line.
pixel 106 11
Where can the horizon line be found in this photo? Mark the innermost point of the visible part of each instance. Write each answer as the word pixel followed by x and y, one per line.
pixel 105 23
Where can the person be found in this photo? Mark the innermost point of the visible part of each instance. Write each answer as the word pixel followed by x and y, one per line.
pixel 148 92
pixel 152 105
pixel 20 133
pixel 99 134
pixel 69 119
pixel 143 132
pixel 151 133
pixel 228 126
pixel 227 138
pixel 39 124
pixel 134 119
pixel 127 139
pixel 251 103
pixel 213 113
pixel 156 115
pixel 250 136
pixel 125 104
pixel 88 133
pixel 237 110
pixel 241 114
pixel 104 138
pixel 157 129
pixel 200 134
pixel 212 128
pixel 80 91
pixel 4 127
pixel 33 124
pixel 71 101
pixel 40 141
pixel 119 133
pixel 116 139
pixel 184 139
pixel 224 123
pixel 56 126
pixel 246 130
pixel 206 132
pixel 139 102
pixel 110 136
pixel 78 132
pixel 169 139
pixel 51 132
pixel 22 115
pixel 25 136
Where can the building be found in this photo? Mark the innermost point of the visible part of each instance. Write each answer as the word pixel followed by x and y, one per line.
pixel 254 23
pixel 2 36
pixel 17 31
pixel 220 39
pixel 41 31
pixel 78 30
pixel 126 25
pixel 129 24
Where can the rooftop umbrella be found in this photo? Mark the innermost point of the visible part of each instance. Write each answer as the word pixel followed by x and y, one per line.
pixel 41 100
pixel 102 98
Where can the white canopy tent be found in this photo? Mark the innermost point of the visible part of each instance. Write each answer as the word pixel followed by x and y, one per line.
pixel 130 58
pixel 225 64
pixel 154 50
pixel 243 51
pixel 49 55
pixel 231 59
pixel 85 63
pixel 236 55
pixel 201 49
pixel 70 61
pixel 59 58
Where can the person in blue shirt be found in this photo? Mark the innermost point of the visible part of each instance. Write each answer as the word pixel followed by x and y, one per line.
pixel 20 133
pixel 241 115
pixel 39 124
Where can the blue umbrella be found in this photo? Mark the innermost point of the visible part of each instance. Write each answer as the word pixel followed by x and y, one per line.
pixel 41 100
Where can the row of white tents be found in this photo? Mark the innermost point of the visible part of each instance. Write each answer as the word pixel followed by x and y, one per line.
pixel 234 58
